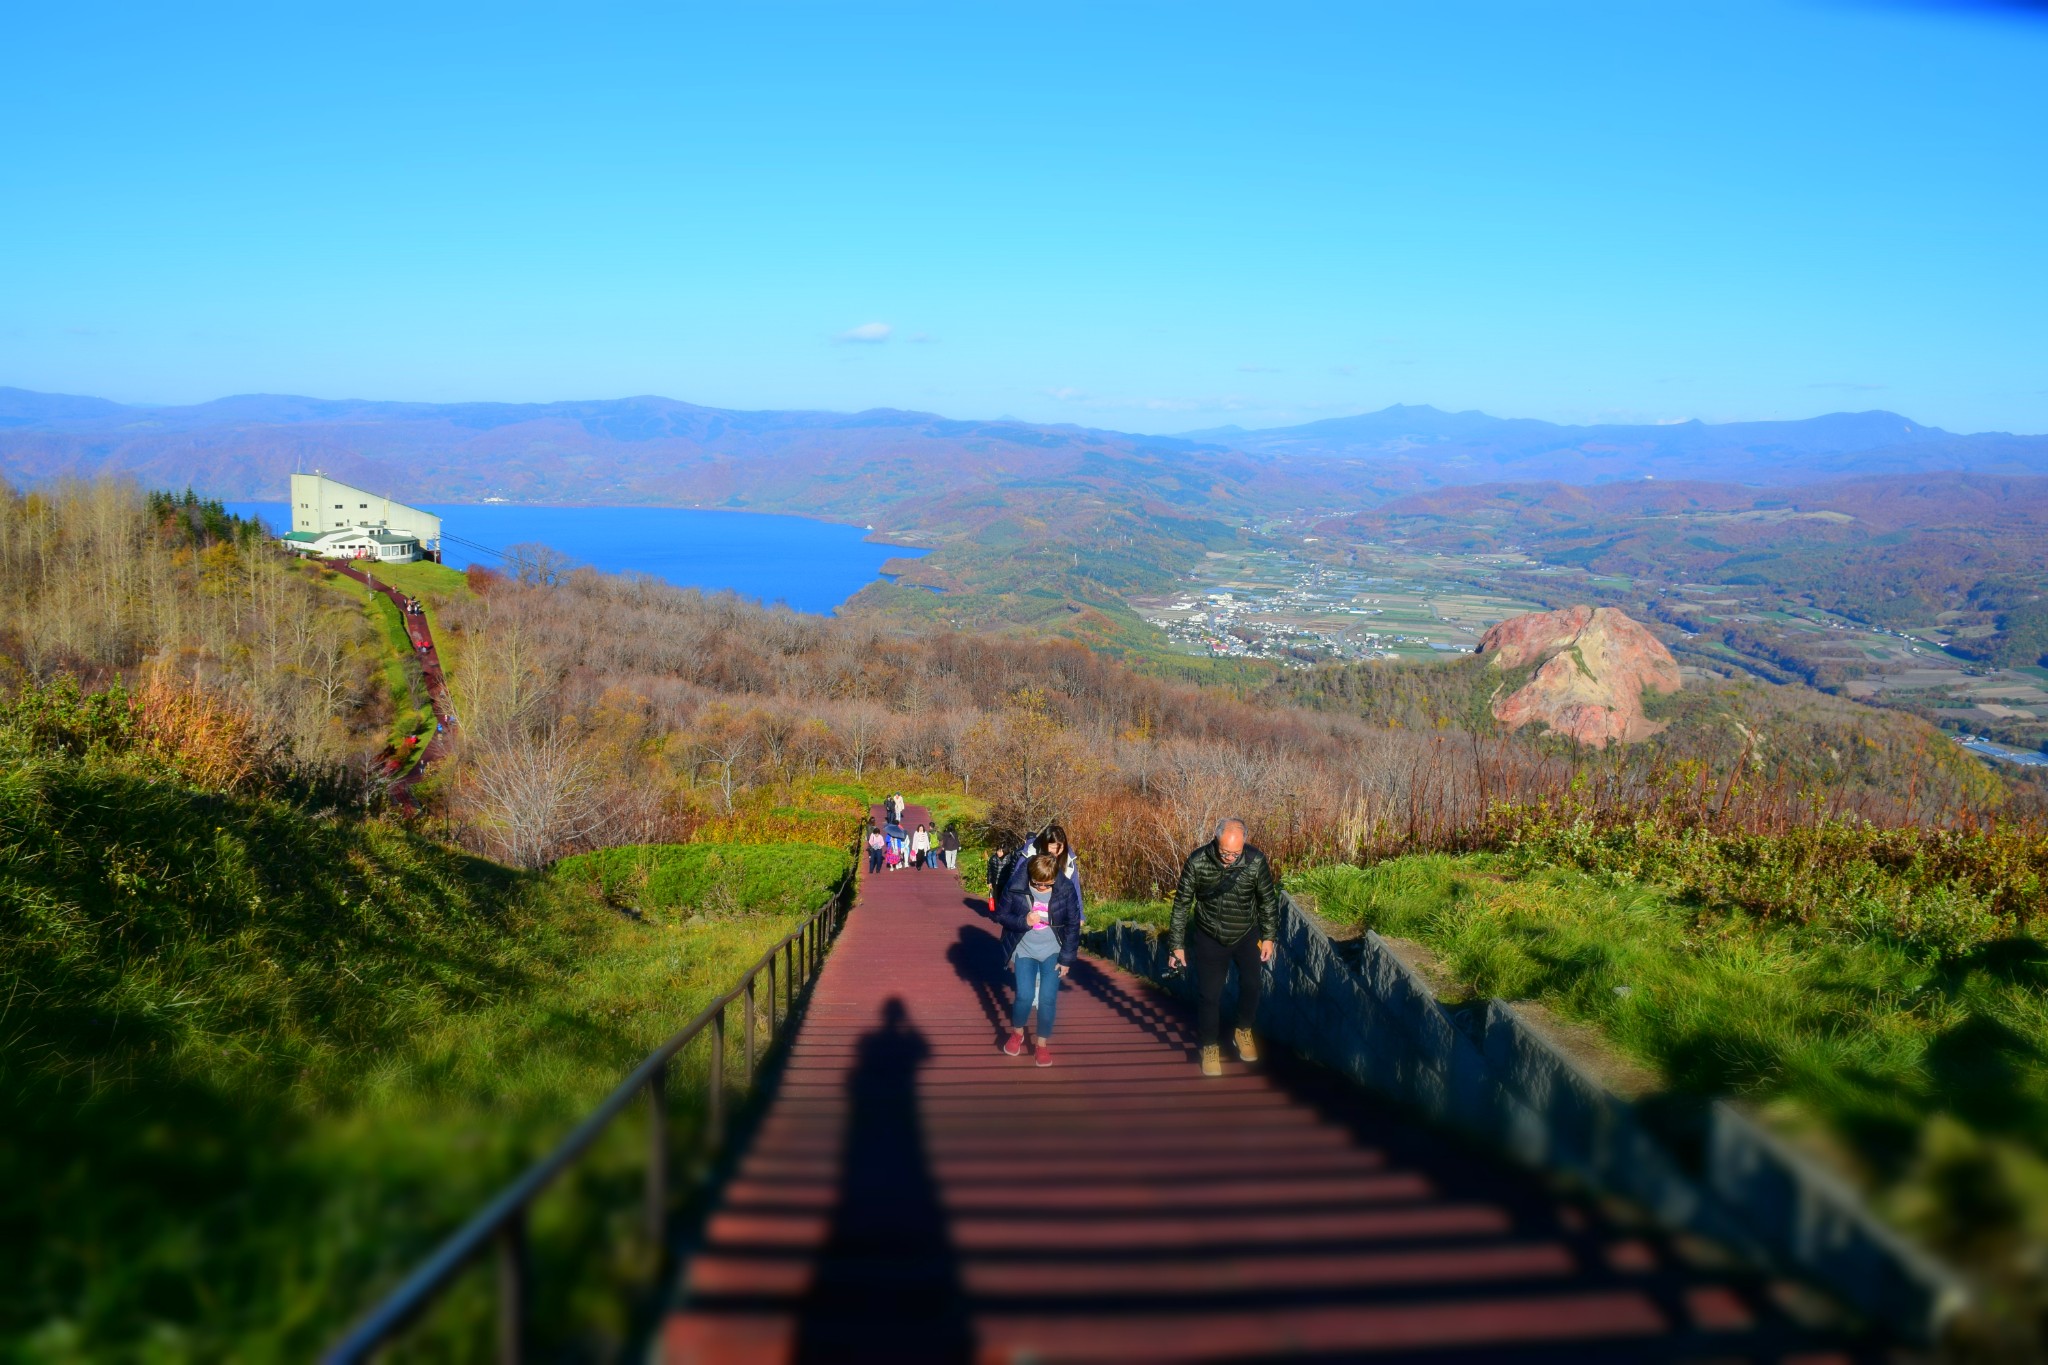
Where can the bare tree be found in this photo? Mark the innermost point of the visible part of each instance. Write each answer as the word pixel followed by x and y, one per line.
pixel 537 797
pixel 812 742
pixel 723 748
pixel 861 732
pixel 332 671
pixel 533 562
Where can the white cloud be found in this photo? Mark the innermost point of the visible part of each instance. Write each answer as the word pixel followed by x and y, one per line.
pixel 920 338
pixel 868 333
pixel 1066 395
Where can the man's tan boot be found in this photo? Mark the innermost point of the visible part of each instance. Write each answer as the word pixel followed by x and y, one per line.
pixel 1247 1050
pixel 1212 1060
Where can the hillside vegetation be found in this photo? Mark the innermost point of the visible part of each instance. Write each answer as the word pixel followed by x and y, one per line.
pixel 100 582
pixel 261 1058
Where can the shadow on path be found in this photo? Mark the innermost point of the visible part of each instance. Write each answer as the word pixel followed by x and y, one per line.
pixel 977 957
pixel 888 1283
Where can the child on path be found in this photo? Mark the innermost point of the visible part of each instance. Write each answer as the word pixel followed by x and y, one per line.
pixel 1041 918
pixel 1053 841
pixel 998 872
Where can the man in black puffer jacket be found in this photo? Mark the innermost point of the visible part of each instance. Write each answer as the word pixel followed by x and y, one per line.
pixel 1228 891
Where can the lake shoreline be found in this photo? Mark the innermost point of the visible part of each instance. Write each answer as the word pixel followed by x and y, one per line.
pixel 808 563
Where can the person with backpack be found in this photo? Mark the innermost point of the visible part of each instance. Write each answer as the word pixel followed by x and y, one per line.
pixel 1041 918
pixel 949 844
pixel 1226 909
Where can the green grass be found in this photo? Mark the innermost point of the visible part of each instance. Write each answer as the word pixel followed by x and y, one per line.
pixel 258 1062
pixel 703 882
pixel 424 579
pixel 434 584
pixel 1153 914
pixel 394 647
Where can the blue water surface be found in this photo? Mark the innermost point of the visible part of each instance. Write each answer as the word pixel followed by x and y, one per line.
pixel 810 565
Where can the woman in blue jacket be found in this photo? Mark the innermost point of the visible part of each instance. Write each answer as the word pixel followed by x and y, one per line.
pixel 1041 917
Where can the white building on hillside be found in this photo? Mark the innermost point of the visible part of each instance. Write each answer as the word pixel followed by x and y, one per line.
pixel 334 520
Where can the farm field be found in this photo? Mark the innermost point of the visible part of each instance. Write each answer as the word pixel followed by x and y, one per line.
pixel 1277 604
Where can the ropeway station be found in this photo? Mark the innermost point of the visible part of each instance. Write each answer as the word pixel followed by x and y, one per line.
pixel 334 520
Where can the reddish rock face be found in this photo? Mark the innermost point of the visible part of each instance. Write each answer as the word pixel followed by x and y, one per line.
pixel 1596 663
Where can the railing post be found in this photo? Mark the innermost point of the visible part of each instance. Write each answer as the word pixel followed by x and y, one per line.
pixel 657 1158
pixel 512 1290
pixel 717 1107
pixel 774 1022
pixel 750 1033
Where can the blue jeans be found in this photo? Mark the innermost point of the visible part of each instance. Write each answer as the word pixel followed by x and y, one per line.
pixel 1040 981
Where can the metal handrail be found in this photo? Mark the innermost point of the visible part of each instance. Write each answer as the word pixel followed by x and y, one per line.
pixel 503 1220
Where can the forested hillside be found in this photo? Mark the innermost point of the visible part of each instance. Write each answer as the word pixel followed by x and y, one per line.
pixel 655 707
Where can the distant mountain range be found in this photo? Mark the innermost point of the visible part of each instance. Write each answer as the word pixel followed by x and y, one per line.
pixel 1425 447
pixel 924 469
pixel 627 450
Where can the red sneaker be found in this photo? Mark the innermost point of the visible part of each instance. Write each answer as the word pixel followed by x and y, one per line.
pixel 1015 1047
pixel 1043 1053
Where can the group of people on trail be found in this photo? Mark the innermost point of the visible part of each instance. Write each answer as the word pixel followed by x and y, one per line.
pixel 1226 911
pixel 891 846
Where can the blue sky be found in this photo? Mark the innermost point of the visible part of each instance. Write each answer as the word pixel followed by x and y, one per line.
pixel 1154 217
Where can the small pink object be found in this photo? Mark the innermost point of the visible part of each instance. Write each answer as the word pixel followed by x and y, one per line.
pixel 1015 1047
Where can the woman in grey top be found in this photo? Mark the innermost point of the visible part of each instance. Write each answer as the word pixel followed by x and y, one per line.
pixel 1041 917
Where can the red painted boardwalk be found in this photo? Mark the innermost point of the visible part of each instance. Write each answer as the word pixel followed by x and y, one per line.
pixel 913 1194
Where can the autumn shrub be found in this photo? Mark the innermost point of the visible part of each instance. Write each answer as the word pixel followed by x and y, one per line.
pixel 200 733
pixel 1948 889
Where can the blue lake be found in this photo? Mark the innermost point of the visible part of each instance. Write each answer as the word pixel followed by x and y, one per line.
pixel 811 565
